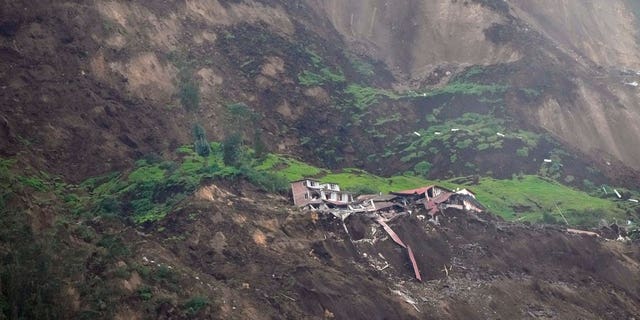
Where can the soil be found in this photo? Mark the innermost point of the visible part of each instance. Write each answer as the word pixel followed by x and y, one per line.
pixel 90 89
pixel 301 267
pixel 87 88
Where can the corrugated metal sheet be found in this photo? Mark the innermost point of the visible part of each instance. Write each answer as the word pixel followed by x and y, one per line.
pixel 397 240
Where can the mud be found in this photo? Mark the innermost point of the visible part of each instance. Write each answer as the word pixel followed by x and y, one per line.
pixel 310 268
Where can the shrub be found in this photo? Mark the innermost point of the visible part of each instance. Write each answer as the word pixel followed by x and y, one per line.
pixel 267 181
pixel 232 150
pixel 422 168
pixel 195 304
pixel 145 293
pixel 109 205
pixel 523 152
pixel 201 144
pixel 165 276
pixel 34 183
pixel 548 218
pixel 114 245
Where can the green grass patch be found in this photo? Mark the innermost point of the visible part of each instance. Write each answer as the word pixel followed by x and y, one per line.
pixel 352 179
pixel 463 88
pixel 469 131
pixel 529 197
pixel 288 168
pixel 362 67
pixel 324 76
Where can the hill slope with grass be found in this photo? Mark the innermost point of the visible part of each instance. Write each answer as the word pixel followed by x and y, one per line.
pixel 115 204
pixel 191 238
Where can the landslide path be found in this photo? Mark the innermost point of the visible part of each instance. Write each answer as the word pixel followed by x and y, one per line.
pixel 260 259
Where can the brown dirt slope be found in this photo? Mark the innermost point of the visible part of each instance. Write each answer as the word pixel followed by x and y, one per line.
pixel 89 87
pixel 252 256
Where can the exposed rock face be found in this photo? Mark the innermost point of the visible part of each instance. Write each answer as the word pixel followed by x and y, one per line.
pixel 415 36
pixel 601 32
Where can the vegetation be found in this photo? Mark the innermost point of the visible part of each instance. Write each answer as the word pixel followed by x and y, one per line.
pixel 188 88
pixel 362 97
pixel 201 144
pixel 232 154
pixel 156 187
pixel 363 68
pixel 195 304
pixel 322 74
pixel 524 198
pixel 527 197
pixel 325 75
pixel 471 130
pixel 462 88
pixel 30 270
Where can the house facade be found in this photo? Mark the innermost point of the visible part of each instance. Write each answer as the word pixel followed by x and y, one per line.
pixel 310 191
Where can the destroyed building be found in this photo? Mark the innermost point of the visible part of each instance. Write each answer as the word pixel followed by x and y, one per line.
pixel 311 194
pixel 315 195
pixel 435 198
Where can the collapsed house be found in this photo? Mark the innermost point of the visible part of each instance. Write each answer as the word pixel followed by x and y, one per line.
pixel 436 198
pixel 312 195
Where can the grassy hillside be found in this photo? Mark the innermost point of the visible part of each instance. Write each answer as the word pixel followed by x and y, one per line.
pixel 157 186
pixel 524 198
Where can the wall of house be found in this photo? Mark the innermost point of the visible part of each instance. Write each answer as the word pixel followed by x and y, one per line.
pixel 299 190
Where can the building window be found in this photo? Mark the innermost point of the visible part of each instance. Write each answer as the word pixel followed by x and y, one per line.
pixel 306 195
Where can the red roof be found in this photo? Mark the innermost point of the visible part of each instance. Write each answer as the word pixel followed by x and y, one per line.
pixel 413 191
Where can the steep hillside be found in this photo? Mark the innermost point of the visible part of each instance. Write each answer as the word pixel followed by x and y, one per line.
pixel 228 250
pixel 568 56
pixel 414 37
pixel 338 83
pixel 146 149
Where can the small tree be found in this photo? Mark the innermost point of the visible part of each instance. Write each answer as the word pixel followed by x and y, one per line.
pixel 232 150
pixel 202 146
pixel 259 147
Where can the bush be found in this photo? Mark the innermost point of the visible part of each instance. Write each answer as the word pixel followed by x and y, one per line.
pixel 267 181
pixel 422 168
pixel 109 205
pixel 195 304
pixel 114 245
pixel 523 152
pixel 201 144
pixel 145 293
pixel 232 150
pixel 548 218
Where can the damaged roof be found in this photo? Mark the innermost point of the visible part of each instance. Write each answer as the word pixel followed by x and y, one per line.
pixel 418 190
pixel 376 197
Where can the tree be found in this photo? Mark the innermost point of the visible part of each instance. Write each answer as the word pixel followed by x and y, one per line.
pixel 259 147
pixel 232 150
pixel 202 146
